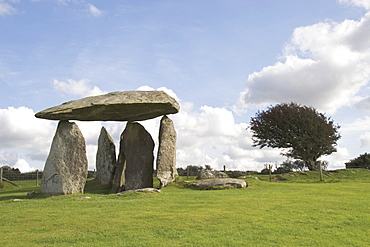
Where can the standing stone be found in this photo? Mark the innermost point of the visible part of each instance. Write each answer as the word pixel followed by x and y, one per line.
pixel 118 182
pixel 138 147
pixel 105 158
pixel 66 167
pixel 166 158
pixel 135 158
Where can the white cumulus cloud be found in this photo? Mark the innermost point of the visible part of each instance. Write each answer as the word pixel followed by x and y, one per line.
pixel 210 136
pixel 324 65
pixel 170 92
pixel 8 158
pixel 365 139
pixel 26 140
pixel 81 88
pixel 23 166
pixel 22 133
pixel 359 3
pixel 21 129
pixel 357 125
pixel 338 159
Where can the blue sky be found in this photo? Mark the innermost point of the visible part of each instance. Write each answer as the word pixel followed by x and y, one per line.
pixel 222 60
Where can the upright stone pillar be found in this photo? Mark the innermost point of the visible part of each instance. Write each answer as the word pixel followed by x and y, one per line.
pixel 118 182
pixel 66 167
pixel 135 159
pixel 105 158
pixel 166 158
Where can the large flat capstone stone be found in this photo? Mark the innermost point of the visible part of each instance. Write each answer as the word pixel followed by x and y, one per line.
pixel 116 106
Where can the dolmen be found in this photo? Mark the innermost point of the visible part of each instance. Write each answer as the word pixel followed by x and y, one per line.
pixel 66 167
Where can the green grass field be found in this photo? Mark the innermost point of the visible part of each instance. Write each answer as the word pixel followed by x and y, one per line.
pixel 297 212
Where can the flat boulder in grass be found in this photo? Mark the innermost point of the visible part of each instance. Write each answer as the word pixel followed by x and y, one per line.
pixel 140 190
pixel 116 106
pixel 219 183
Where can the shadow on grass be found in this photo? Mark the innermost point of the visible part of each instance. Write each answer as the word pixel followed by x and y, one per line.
pixel 25 190
pixel 91 187
pixel 21 194
pixel 94 187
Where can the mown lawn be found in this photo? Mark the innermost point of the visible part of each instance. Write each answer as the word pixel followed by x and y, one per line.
pixel 331 213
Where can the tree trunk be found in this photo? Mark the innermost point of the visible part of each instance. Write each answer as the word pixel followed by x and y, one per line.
pixel 311 165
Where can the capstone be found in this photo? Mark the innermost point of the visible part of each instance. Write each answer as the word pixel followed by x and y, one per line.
pixel 115 106
pixel 66 167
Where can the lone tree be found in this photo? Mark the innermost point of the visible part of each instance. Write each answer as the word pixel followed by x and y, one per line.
pixel 305 133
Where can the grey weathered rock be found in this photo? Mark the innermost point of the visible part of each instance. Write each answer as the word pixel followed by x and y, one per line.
pixel 140 190
pixel 105 158
pixel 206 174
pixel 119 173
pixel 135 159
pixel 138 147
pixel 116 106
pixel 217 183
pixel 65 169
pixel 31 194
pixel 83 198
pixel 219 174
pixel 166 158
pixel 250 176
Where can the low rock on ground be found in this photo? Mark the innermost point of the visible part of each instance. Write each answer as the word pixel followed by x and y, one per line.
pixel 218 183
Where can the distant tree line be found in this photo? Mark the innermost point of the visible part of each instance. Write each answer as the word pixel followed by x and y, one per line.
pixel 189 171
pixel 296 165
pixel 195 171
pixel 14 174
pixel 363 161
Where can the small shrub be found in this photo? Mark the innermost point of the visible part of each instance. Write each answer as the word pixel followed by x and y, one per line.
pixel 265 171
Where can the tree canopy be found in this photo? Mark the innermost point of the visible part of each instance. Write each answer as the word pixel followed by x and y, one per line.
pixel 302 131
pixel 363 161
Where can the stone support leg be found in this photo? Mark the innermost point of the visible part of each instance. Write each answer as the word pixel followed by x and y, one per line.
pixel 166 158
pixel 66 167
